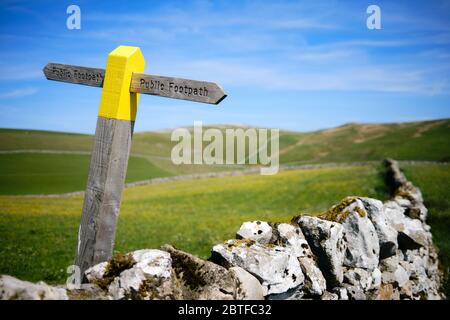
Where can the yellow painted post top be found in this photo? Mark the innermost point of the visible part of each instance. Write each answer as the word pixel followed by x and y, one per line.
pixel 117 102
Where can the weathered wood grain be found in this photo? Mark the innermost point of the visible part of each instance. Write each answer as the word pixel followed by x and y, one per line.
pixel 109 159
pixel 121 83
pixel 177 88
pixel 75 74
pixel 169 87
pixel 103 194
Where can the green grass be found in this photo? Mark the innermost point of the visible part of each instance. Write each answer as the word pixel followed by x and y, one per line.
pixel 14 139
pixel 37 173
pixel 427 140
pixel 434 182
pixel 38 235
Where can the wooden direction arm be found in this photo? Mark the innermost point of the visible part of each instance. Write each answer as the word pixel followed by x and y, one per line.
pixel 169 87
pixel 177 88
pixel 75 74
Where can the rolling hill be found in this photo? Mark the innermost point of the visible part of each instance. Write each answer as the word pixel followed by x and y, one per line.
pixel 191 215
pixel 42 162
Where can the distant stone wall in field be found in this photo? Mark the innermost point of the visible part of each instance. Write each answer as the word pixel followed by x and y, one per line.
pixel 359 249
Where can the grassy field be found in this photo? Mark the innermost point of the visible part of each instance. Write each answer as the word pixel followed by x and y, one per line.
pixel 353 142
pixel 37 173
pixel 38 235
pixel 434 182
pixel 425 140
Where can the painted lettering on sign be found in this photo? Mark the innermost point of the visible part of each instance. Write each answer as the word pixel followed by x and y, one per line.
pixel 75 74
pixel 152 84
pixel 188 90
pixel 172 87
pixel 178 88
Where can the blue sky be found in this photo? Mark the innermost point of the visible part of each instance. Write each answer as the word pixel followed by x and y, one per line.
pixel 299 65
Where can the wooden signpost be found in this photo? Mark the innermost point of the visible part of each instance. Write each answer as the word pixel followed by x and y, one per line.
pixel 177 88
pixel 122 82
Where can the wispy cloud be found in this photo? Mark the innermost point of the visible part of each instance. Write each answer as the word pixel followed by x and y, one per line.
pixel 275 47
pixel 362 76
pixel 302 23
pixel 20 72
pixel 272 57
pixel 17 93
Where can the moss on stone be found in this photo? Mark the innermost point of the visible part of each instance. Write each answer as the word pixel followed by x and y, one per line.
pixel 188 270
pixel 336 213
pixel 294 220
pixel 404 194
pixel 239 243
pixel 361 211
pixel 115 266
pixel 339 213
pixel 149 288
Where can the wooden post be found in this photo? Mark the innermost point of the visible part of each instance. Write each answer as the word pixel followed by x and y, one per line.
pixel 109 158
pixel 122 82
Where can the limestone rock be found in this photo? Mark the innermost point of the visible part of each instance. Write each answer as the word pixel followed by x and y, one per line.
pixel 414 272
pixel 401 276
pixel 403 202
pixel 199 279
pixel 376 279
pixel 387 235
pixel 388 292
pixel 355 292
pixel 88 291
pixel 412 234
pixel 341 292
pixel 142 274
pixel 127 284
pixel 398 277
pixel 258 231
pixel 390 264
pixel 315 283
pixel 327 242
pixel 395 177
pixel 362 241
pixel 329 296
pixel 358 277
pixel 277 269
pixel 292 239
pixel 248 287
pixel 292 294
pixel 154 263
pixel 425 276
pixel 414 210
pixel 96 272
pixel 279 234
pixel 408 191
pixel 291 236
pixel 405 193
pixel 15 289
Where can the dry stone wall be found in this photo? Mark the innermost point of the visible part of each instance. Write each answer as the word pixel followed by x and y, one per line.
pixel 359 249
